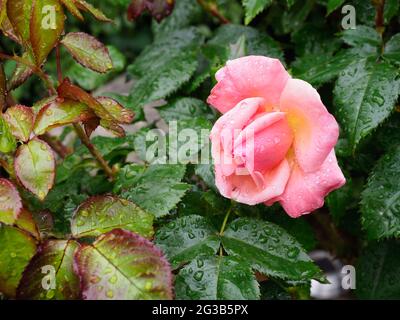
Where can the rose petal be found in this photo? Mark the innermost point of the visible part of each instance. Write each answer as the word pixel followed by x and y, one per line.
pixel 305 192
pixel 264 143
pixel 246 77
pixel 315 129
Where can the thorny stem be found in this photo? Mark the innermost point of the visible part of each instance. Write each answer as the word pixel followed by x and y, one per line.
pixel 93 150
pixel 213 9
pixel 80 132
pixel 38 71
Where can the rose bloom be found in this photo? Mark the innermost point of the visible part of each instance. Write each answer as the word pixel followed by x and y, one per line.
pixel 275 140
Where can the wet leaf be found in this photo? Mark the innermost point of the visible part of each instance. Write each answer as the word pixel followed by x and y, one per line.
pixel 269 249
pixel 186 238
pixel 35 167
pixel 50 274
pixel 83 5
pixel 7 140
pixel 26 222
pixel 60 112
pixel 117 111
pixel 20 119
pixel 19 13
pixel 14 257
pixel 159 9
pixel 88 51
pixel 254 7
pixel 10 202
pixel 121 265
pixel 101 214
pixel 72 7
pixel 217 278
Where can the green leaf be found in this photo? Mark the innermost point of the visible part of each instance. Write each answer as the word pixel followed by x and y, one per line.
pixel 257 43
pixel 91 80
pixel 380 204
pixel 53 264
pixel 46 26
pixel 158 189
pixel 254 7
pixel 392 49
pixel 165 66
pixel 269 249
pixel 60 112
pixel 186 238
pixel 14 257
pixel 377 271
pixel 318 69
pixel 365 95
pixel 185 109
pixel 363 37
pixel 212 278
pixel 333 5
pixel 35 167
pixel 88 51
pixel 26 222
pixel 7 140
pixel 391 9
pixel 10 202
pixel 101 214
pixel 20 120
pixel 121 265
pixel 206 172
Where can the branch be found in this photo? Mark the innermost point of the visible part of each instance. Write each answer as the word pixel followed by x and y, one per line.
pixel 93 150
pixel 379 17
pixel 213 9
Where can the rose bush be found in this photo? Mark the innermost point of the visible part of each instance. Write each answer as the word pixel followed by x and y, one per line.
pixel 278 130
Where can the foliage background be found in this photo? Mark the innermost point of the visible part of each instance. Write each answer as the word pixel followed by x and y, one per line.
pixel 254 252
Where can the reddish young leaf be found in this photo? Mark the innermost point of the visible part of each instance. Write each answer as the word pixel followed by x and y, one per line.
pixel 88 51
pixel 26 222
pixel 59 113
pixel 20 119
pixel 35 167
pixel 46 27
pixel 91 125
pixel 92 10
pixel 8 29
pixel 119 113
pixel 10 202
pixel 69 91
pixel 113 127
pixel 55 257
pixel 19 13
pixel 159 9
pixel 124 266
pixel 71 6
pixel 21 72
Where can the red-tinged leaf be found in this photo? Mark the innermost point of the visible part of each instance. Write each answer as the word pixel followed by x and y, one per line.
pixel 119 113
pixel 10 202
pixel 159 9
pixel 121 265
pixel 91 125
pixel 21 72
pixel 42 103
pixel 46 27
pixel 3 10
pixel 59 113
pixel 35 167
pixel 88 51
pixel 50 274
pixel 3 88
pixel 14 257
pixel 69 91
pixel 20 119
pixel 71 6
pixel 8 30
pixel 136 8
pixel 101 214
pixel 113 127
pixel 26 222
pixel 19 13
pixel 93 11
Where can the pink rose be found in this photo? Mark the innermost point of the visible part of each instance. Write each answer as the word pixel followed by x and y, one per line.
pixel 275 140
